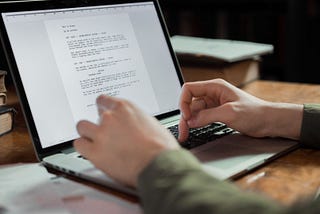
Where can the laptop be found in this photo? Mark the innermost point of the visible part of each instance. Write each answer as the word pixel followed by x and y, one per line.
pixel 63 54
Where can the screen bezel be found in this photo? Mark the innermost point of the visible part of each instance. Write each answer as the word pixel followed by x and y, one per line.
pixel 60 4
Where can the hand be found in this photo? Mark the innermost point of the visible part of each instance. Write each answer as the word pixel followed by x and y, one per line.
pixel 125 141
pixel 202 103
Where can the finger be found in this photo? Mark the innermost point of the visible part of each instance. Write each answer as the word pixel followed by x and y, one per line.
pixel 87 129
pixel 208 116
pixel 106 103
pixel 197 105
pixel 84 147
pixel 188 93
pixel 183 130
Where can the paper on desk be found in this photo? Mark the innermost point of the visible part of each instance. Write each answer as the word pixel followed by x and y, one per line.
pixel 25 188
pixel 80 199
pixel 221 49
pixel 29 188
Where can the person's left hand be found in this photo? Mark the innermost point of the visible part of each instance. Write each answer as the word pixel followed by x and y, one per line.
pixel 125 141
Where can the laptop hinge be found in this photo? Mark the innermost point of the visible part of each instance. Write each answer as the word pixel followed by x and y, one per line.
pixel 68 150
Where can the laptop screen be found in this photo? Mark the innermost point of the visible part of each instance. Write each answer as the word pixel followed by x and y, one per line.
pixel 67 57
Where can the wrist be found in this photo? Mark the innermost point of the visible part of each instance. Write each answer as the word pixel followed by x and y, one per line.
pixel 284 120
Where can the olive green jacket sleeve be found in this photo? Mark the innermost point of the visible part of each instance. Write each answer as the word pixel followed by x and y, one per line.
pixel 310 129
pixel 175 183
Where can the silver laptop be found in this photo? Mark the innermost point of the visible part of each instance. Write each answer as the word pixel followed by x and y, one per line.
pixel 63 54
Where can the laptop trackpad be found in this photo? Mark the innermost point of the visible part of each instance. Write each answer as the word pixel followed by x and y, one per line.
pixel 236 153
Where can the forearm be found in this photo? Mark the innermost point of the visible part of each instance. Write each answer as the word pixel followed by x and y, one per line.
pixel 284 120
pixel 294 121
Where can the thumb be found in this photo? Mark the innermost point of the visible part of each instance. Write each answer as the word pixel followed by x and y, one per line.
pixel 208 116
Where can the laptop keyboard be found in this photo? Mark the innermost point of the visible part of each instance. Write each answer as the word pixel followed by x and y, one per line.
pixel 199 136
pixel 202 135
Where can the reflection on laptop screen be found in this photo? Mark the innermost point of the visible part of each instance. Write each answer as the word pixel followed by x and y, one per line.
pixel 66 58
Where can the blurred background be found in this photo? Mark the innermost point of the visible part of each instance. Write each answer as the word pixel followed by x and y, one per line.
pixel 292 26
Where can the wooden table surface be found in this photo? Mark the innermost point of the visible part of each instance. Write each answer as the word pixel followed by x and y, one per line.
pixel 295 175
pixel 287 179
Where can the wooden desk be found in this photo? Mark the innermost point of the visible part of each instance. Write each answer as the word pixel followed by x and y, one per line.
pixel 287 179
pixel 295 175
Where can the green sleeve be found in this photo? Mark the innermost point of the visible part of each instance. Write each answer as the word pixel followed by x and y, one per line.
pixel 175 183
pixel 310 129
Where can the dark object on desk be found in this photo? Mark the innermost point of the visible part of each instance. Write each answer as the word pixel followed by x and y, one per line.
pixel 6 119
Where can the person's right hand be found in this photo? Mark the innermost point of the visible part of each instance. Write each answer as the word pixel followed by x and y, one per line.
pixel 202 103
pixel 124 142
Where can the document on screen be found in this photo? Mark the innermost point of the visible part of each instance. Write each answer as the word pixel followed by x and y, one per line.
pixel 100 55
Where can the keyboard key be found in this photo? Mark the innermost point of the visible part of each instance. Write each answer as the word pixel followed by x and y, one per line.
pixel 202 135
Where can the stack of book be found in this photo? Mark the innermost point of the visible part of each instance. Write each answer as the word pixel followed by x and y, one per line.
pixel 235 61
pixel 6 112
pixel 3 90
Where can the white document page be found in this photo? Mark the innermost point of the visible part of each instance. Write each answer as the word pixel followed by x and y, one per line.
pixel 100 55
pixel 29 188
pixel 25 189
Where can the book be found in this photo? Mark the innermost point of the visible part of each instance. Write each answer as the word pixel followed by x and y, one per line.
pixel 237 73
pixel 3 98
pixel 217 50
pixel 6 119
pixel 2 81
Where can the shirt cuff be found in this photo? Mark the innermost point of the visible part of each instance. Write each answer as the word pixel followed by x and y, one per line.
pixel 310 134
